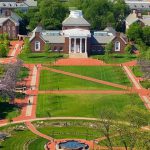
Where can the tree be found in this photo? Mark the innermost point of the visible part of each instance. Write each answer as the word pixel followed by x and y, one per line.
pixel 105 126
pixel 3 51
pixel 46 48
pixel 108 48
pixel 52 13
pixel 135 32
pixel 146 35
pixel 130 133
pixel 5 36
pixel 120 10
pixel 128 49
pixel 26 48
pixel 135 116
pixel 8 82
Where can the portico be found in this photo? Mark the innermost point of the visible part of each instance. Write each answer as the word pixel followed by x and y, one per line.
pixel 77 45
pixel 77 40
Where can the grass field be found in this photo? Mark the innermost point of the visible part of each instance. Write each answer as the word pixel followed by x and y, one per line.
pixel 40 57
pixel 71 132
pixel 115 58
pixel 85 105
pixel 24 73
pixel 106 73
pixel 17 140
pixel 54 81
pixel 37 144
pixel 20 138
pixel 137 71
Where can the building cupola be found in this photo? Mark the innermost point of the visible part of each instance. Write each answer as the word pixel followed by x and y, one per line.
pixel 76 14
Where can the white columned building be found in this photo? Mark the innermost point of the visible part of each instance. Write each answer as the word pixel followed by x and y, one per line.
pixel 77 40
pixel 80 47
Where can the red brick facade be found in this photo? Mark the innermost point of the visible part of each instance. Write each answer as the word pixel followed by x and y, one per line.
pixel 64 47
pixel 10 28
pixel 33 41
pixel 122 44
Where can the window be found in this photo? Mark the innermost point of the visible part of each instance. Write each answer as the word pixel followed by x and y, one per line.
pixel 55 48
pixel 117 46
pixel 13 28
pixel 37 46
pixel 61 48
pixel 8 28
pixel 4 28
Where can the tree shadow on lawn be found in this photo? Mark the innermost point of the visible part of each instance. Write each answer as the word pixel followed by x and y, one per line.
pixel 36 56
pixel 6 108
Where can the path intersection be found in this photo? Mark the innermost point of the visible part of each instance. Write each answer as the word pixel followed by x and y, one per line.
pixel 28 111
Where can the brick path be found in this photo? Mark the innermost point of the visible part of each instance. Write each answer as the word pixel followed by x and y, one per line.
pixel 28 112
pixel 85 92
pixel 35 131
pixel 78 62
pixel 143 93
pixel 15 48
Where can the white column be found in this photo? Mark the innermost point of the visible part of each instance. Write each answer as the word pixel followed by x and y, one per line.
pixel 80 45
pixel 69 44
pixel 85 45
pixel 75 47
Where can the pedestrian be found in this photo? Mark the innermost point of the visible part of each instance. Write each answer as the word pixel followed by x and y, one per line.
pixel 29 102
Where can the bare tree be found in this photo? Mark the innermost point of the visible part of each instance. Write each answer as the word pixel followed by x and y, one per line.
pixel 105 126
pixel 145 67
pixel 8 82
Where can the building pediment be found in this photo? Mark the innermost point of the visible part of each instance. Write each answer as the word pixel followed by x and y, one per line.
pixel 76 33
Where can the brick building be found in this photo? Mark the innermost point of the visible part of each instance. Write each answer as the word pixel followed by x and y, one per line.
pixel 76 39
pixel 136 16
pixel 9 21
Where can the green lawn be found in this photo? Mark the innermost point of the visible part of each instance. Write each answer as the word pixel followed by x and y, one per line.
pixel 37 144
pixel 145 84
pixel 85 105
pixel 40 57
pixel 20 138
pixel 8 110
pixel 24 73
pixel 137 71
pixel 71 132
pixel 54 81
pixel 115 58
pixel 106 73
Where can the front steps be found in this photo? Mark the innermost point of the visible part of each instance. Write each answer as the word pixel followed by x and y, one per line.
pixel 78 55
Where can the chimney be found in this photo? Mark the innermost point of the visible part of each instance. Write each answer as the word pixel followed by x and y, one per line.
pixel 137 13
pixel 7 12
pixel 38 30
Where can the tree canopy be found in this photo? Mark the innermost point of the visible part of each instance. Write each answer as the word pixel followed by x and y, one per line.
pixel 100 13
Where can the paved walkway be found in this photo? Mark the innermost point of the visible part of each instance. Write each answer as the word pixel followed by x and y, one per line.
pixel 84 92
pixel 15 48
pixel 29 111
pixel 86 78
pixel 78 62
pixel 143 93
pixel 33 87
pixel 35 131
